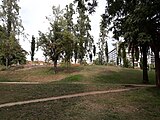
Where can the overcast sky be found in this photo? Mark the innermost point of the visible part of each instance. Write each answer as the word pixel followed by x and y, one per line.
pixel 33 13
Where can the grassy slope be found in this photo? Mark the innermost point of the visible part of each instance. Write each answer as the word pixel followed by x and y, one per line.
pixel 36 74
pixel 143 104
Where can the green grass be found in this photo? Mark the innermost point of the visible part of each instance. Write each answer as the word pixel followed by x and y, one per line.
pixel 36 74
pixel 73 78
pixel 125 76
pixel 7 80
pixel 142 104
pixel 13 93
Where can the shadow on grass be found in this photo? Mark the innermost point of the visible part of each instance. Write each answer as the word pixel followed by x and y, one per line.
pixel 13 93
pixel 52 110
pixel 125 76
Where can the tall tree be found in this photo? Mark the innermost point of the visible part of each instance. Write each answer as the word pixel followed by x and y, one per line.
pixel 91 4
pixel 69 12
pixel 33 48
pixel 124 20
pixel 83 27
pixel 11 52
pixel 106 51
pixel 68 34
pixel 12 23
pixel 50 41
pixel 10 17
pixel 59 40
pixel 103 47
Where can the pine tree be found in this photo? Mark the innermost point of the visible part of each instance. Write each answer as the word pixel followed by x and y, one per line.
pixel 33 48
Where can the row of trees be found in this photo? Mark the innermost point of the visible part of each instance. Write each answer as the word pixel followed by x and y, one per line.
pixel 10 28
pixel 138 22
pixel 67 38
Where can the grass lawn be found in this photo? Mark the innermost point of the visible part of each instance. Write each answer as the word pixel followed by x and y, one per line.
pixel 124 76
pixel 141 104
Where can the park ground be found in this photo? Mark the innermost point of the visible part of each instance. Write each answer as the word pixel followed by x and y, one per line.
pixel 142 103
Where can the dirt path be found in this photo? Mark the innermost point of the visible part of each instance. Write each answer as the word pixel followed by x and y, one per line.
pixel 20 83
pixel 64 97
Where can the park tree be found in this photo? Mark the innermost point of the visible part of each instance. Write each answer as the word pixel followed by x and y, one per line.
pixel 69 12
pixel 140 18
pixel 11 52
pixel 12 24
pixel 102 43
pixel 50 42
pixel 122 54
pixel 83 28
pixel 58 41
pixel 83 45
pixel 10 17
pixel 90 5
pixel 69 34
pixel 33 45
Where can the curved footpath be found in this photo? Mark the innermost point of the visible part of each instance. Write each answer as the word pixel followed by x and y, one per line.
pixel 68 96
pixel 20 83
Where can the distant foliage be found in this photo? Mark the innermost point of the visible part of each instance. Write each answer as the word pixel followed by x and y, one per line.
pixel 10 50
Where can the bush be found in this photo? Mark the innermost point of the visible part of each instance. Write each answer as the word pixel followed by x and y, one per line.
pixel 127 63
pixel 84 62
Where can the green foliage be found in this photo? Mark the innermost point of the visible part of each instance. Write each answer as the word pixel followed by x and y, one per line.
pixel 50 42
pixel 10 49
pixel 82 32
pixel 96 62
pixel 122 54
pixel 102 44
pixel 138 22
pixel 91 5
pixel 66 39
pixel 10 17
pixel 58 43
pixel 127 63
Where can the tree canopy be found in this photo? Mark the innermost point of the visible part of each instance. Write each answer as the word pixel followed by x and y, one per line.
pixel 11 27
pixel 137 21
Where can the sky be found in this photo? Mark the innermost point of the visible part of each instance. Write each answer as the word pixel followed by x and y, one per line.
pixel 33 14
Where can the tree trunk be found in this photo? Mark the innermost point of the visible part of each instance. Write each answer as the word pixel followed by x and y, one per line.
pixel 7 62
pixel 133 57
pixel 145 70
pixel 81 60
pixel 55 66
pixel 157 66
pixel 133 61
pixel 75 58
